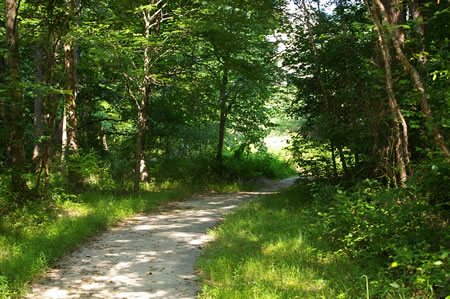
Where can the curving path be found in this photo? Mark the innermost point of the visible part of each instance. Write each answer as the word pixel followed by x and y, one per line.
pixel 148 256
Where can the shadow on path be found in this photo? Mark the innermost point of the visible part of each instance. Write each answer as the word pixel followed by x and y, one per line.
pixel 148 256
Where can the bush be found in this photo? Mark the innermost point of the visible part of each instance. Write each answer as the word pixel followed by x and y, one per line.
pixel 398 235
pixel 200 169
pixel 256 165
pixel 96 174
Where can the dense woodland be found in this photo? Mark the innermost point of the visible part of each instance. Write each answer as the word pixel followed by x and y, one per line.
pixel 123 96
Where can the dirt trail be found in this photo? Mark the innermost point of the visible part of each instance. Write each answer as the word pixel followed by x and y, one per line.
pixel 148 256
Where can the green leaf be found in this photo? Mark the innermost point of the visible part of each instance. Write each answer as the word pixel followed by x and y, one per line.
pixel 395 285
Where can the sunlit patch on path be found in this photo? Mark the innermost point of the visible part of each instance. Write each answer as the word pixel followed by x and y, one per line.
pixel 149 256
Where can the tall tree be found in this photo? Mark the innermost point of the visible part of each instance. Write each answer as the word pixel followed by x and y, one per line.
pixel 13 108
pixel 239 49
pixel 70 98
pixel 38 121
pixel 400 136
pixel 389 17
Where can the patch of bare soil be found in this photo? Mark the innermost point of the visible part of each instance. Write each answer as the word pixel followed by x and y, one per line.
pixel 148 256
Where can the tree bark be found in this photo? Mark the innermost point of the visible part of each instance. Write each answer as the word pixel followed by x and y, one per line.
pixel 51 109
pixel 418 16
pixel 14 108
pixel 342 158
pixel 397 17
pixel 38 120
pixel 140 169
pixel 401 137
pixel 223 119
pixel 140 139
pixel 333 160
pixel 418 84
pixel 73 176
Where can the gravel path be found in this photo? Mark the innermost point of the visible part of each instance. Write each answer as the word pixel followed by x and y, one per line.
pixel 148 256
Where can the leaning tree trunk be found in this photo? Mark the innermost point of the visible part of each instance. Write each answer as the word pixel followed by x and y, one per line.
pixel 401 136
pixel 418 83
pixel 14 108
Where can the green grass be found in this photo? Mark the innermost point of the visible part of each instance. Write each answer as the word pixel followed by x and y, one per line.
pixel 266 250
pixel 28 249
pixel 35 236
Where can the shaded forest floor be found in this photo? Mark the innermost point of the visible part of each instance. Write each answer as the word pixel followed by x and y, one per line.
pixel 147 256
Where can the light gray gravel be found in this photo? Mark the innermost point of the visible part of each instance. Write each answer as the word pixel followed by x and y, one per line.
pixel 148 256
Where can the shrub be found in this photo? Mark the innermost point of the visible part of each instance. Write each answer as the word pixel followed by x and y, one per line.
pixel 397 234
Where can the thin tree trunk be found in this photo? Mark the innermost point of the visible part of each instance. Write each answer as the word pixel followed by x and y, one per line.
pixel 104 139
pixel 223 119
pixel 401 137
pixel 38 120
pixel 51 109
pixel 356 160
pixel 63 142
pixel 323 88
pixel 14 109
pixel 418 16
pixel 73 175
pixel 342 158
pixel 140 166
pixel 418 83
pixel 333 159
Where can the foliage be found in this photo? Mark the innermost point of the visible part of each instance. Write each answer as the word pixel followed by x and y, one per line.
pixel 199 171
pixel 335 62
pixel 395 233
pixel 94 171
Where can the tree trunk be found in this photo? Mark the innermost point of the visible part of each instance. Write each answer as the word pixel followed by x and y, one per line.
pixel 401 137
pixel 223 119
pixel 73 175
pixel 342 158
pixel 63 125
pixel 140 166
pixel 51 109
pixel 38 120
pixel 14 108
pixel 104 139
pixel 397 17
pixel 333 159
pixel 357 160
pixel 140 169
pixel 418 16
pixel 418 84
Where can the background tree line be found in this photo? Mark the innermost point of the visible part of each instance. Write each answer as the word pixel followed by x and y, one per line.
pixel 90 85
pixel 372 87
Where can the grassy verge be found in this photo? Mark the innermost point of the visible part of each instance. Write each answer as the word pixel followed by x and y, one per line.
pixel 30 243
pixel 266 250
pixel 318 240
pixel 35 235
